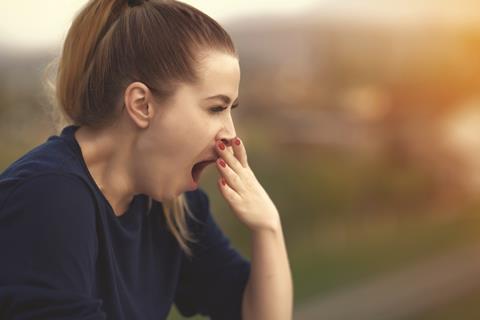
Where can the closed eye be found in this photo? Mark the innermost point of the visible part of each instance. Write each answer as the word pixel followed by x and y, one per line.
pixel 220 109
pixel 217 109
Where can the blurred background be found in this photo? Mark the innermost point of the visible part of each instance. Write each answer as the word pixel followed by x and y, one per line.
pixel 361 119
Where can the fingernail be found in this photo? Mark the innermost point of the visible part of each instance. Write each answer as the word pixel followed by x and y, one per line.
pixel 222 163
pixel 223 181
pixel 221 146
pixel 237 141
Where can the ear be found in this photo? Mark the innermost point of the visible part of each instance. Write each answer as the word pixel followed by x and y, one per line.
pixel 138 104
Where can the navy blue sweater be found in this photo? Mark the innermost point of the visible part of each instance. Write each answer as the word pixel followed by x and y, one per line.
pixel 64 254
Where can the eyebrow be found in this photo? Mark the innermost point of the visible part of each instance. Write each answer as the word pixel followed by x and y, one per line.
pixel 223 97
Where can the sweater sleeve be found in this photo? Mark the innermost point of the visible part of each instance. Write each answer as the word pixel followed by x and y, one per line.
pixel 212 282
pixel 48 249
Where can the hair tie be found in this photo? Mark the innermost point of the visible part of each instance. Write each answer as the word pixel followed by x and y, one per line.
pixel 134 3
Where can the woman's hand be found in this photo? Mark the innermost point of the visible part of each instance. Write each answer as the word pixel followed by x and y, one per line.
pixel 242 191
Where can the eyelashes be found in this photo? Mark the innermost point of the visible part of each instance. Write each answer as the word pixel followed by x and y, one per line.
pixel 220 109
pixel 217 109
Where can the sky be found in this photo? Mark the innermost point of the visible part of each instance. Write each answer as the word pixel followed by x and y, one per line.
pixel 30 24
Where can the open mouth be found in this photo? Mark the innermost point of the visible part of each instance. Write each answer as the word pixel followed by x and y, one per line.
pixel 198 168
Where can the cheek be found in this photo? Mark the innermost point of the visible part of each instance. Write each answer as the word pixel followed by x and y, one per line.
pixel 186 140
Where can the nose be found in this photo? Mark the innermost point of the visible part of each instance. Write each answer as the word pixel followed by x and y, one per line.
pixel 227 133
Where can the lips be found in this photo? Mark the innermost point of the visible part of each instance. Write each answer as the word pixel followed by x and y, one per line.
pixel 198 168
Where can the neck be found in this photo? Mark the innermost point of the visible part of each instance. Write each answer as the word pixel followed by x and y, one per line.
pixel 107 154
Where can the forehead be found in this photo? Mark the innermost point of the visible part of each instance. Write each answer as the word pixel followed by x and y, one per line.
pixel 219 73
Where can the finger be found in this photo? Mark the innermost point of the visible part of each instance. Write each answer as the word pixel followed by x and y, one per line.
pixel 230 176
pixel 226 190
pixel 228 157
pixel 239 151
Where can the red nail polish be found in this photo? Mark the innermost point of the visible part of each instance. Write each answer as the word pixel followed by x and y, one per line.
pixel 223 181
pixel 221 146
pixel 222 163
pixel 237 141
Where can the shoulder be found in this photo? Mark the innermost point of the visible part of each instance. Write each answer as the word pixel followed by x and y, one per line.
pixel 47 195
pixel 45 183
pixel 48 225
pixel 54 155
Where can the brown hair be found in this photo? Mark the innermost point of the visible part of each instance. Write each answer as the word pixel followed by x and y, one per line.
pixel 160 43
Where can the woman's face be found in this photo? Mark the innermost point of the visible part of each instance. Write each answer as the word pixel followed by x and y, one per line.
pixel 184 132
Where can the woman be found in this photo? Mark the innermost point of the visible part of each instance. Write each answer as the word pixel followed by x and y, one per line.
pixel 106 220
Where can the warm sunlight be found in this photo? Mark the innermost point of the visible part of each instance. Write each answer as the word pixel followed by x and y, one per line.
pixel 49 20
